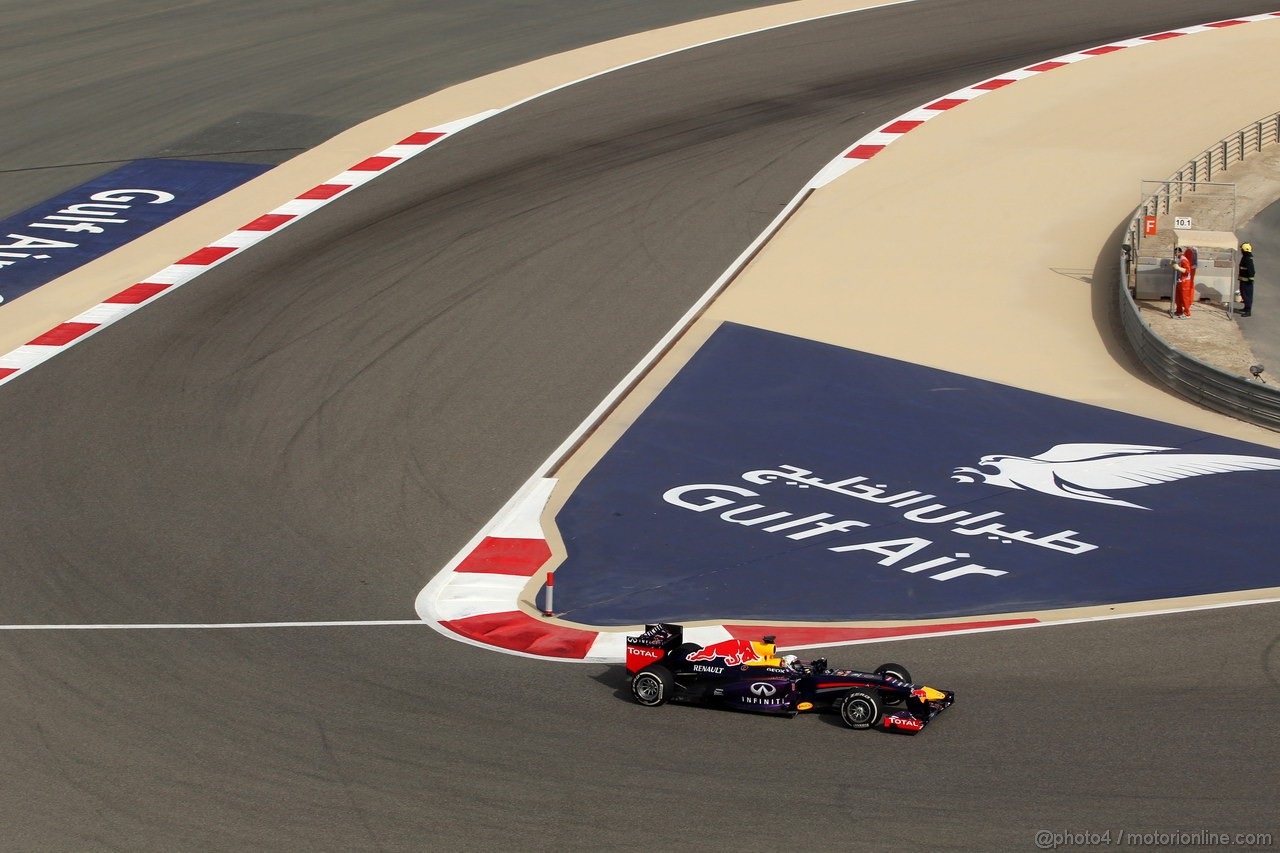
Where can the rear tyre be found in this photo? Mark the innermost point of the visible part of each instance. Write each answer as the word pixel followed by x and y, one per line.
pixel 893 670
pixel 861 709
pixel 652 685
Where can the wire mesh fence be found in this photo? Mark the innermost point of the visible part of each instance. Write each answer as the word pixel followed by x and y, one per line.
pixel 1191 193
pixel 1191 202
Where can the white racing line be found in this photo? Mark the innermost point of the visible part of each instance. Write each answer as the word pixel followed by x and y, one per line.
pixel 453 596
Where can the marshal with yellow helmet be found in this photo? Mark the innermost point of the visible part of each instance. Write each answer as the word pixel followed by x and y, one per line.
pixel 750 675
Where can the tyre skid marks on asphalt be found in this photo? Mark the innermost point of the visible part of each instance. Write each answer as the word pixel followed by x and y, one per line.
pixel 78 328
pixel 72 332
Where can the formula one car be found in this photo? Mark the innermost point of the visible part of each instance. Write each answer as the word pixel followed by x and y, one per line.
pixel 750 676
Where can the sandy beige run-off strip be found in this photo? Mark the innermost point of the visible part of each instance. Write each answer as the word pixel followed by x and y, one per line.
pixel 971 243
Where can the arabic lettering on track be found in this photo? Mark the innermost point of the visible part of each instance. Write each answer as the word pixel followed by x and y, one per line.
pixel 900 553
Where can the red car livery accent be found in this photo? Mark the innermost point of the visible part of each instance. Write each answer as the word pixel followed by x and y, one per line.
pixel 638 658
pixel 909 723
pixel 734 652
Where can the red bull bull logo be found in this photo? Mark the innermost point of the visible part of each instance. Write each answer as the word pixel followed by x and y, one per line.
pixel 734 652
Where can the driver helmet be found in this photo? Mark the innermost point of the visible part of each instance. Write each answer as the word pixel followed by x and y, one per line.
pixel 791 662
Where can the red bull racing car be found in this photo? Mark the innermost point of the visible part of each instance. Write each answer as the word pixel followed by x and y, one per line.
pixel 749 675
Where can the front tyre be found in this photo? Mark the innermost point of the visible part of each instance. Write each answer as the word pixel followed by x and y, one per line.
pixel 652 685
pixel 861 709
pixel 894 670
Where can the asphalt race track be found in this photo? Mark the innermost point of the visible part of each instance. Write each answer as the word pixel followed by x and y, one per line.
pixel 232 80
pixel 316 427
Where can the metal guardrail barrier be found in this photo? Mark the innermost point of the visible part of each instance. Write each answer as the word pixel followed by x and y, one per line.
pixel 1188 376
pixel 1217 158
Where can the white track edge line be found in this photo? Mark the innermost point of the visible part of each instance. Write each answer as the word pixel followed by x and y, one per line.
pixel 367 623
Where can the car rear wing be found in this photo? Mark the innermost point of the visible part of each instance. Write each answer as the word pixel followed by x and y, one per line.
pixel 653 645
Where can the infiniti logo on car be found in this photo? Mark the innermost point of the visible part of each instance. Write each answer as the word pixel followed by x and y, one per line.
pixel 762 689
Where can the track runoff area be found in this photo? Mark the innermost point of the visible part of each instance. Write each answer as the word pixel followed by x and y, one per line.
pixel 826 496
pixel 777 480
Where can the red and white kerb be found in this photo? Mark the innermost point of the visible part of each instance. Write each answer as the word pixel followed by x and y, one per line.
pixel 175 275
pixel 477 599
pixel 876 141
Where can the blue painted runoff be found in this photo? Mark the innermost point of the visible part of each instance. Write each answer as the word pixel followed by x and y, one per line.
pixel 776 478
pixel 85 223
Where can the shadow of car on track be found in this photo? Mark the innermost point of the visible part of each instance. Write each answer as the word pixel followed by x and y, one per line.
pixel 615 677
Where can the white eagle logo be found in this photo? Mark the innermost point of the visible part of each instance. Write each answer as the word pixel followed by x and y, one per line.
pixel 1083 471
